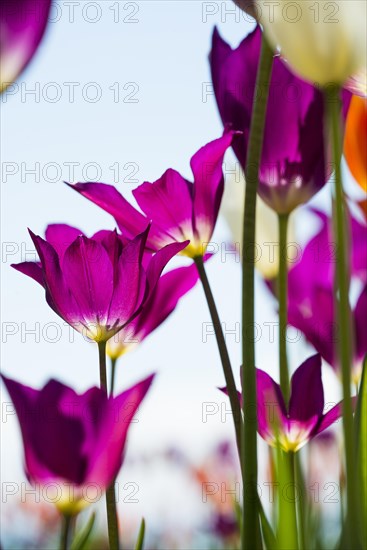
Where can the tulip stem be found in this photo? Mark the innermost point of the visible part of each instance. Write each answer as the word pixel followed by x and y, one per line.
pixel 65 532
pixel 113 376
pixel 223 352
pixel 333 106
pixel 251 531
pixel 113 532
pixel 283 304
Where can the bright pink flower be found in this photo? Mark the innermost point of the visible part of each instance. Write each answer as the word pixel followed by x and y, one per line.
pixel 97 285
pixel 179 210
pixel 74 441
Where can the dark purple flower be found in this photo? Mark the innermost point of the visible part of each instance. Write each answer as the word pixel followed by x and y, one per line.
pixel 74 441
pixel 22 24
pixel 311 307
pixel 171 287
pixel 293 166
pixel 97 285
pixel 179 210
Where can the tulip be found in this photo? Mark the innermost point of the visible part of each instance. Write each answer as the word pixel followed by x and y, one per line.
pixel 22 24
pixel 74 441
pixel 266 262
pixel 168 291
pixel 179 210
pixel 355 141
pixel 324 42
pixel 293 166
pixel 311 297
pixel 97 285
pixel 293 426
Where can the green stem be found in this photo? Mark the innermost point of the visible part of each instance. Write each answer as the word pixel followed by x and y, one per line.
pixel 113 533
pixel 251 533
pixel 223 352
pixel 113 375
pixel 283 304
pixel 65 532
pixel 302 505
pixel 288 494
pixel 332 95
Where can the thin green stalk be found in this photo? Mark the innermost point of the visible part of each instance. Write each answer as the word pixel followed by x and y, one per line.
pixel 332 95
pixel 287 525
pixel 65 532
pixel 283 304
pixel 113 533
pixel 223 352
pixel 113 376
pixel 251 532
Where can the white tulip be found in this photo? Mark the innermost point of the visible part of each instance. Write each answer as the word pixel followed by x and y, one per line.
pixel 324 41
pixel 267 242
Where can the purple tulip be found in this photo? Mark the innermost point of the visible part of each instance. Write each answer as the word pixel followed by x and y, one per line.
pixel 311 307
pixel 169 289
pixel 179 210
pixel 22 24
pixel 293 426
pixel 293 166
pixel 97 285
pixel 74 443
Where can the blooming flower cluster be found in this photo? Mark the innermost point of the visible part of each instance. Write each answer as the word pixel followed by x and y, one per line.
pixel 113 287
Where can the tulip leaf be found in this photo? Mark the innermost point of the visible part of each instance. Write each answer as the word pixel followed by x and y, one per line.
pixel 83 535
pixel 140 540
pixel 267 531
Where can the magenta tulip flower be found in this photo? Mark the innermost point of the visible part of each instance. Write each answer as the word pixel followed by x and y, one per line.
pixel 171 287
pixel 293 165
pixel 293 426
pixel 74 442
pixel 22 24
pixel 97 285
pixel 179 210
pixel 311 307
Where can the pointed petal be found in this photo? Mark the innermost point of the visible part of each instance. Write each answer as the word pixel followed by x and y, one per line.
pixel 271 412
pixel 58 295
pixel 206 166
pixel 307 393
pixel 159 262
pixel 108 452
pixel 130 285
pixel 171 287
pixel 60 236
pixel 168 202
pixel 31 269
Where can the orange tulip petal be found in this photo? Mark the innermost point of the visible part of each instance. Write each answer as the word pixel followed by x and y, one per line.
pixel 355 143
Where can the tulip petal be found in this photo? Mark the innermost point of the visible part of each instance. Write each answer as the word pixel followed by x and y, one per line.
pixel 88 273
pixel 60 236
pixel 168 202
pixel 360 316
pixel 159 262
pixel 355 141
pixel 22 26
pixel 207 168
pixel 271 411
pixel 31 269
pixel 307 393
pixel 58 295
pixel 130 221
pixel 108 452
